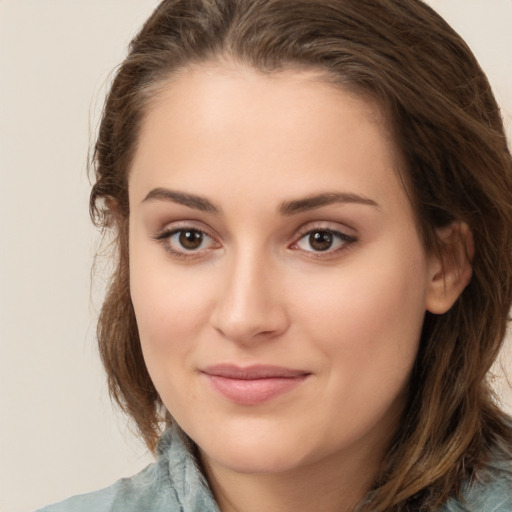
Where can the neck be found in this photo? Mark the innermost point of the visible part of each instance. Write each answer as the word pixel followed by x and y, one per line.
pixel 326 485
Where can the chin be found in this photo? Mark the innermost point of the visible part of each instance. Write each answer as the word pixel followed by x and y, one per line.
pixel 253 459
pixel 252 451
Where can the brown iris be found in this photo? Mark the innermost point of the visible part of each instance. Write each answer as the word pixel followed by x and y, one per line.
pixel 321 240
pixel 191 239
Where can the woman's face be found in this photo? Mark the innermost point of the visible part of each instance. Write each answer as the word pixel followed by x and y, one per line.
pixel 277 275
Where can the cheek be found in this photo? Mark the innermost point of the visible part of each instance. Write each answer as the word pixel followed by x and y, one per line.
pixel 170 308
pixel 171 303
pixel 366 318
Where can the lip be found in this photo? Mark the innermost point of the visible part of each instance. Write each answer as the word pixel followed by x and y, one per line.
pixel 255 384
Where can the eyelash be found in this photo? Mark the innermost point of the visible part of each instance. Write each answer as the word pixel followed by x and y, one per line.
pixel 344 240
pixel 165 239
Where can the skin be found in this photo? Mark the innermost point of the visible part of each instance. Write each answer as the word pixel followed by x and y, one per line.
pixel 256 290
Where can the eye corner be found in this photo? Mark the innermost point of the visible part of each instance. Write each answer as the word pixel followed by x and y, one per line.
pixel 322 241
pixel 186 241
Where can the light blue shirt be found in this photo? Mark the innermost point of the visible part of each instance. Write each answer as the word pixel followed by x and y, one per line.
pixel 175 484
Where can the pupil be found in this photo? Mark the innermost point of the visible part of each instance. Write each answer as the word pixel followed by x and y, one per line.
pixel 320 240
pixel 191 239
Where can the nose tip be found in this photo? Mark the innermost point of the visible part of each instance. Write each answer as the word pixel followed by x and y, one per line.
pixel 250 308
pixel 248 328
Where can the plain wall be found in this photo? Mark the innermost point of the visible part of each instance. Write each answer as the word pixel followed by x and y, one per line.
pixel 58 433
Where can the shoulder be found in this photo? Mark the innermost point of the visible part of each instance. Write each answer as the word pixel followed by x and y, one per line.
pixel 173 483
pixel 143 491
pixel 491 491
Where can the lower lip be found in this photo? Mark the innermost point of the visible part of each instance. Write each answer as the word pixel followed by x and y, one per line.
pixel 254 391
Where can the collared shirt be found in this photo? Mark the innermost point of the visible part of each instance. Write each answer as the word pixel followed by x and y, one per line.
pixel 174 483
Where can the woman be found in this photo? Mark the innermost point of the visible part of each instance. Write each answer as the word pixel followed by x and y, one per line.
pixel 312 210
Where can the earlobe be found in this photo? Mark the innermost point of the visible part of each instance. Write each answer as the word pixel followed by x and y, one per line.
pixel 450 268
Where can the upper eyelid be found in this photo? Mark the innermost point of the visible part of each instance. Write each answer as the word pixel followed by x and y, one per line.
pixel 176 226
pixel 167 234
pixel 327 225
pixel 341 234
pixel 332 226
pixel 344 232
pixel 164 236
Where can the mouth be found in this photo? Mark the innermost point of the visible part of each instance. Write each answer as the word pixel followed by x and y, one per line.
pixel 253 385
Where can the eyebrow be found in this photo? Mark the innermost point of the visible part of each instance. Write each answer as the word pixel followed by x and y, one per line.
pixel 190 200
pixel 286 208
pixel 319 200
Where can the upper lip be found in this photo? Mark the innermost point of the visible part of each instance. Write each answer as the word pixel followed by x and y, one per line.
pixel 258 371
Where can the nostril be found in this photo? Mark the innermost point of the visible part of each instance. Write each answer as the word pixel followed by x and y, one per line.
pixel 250 328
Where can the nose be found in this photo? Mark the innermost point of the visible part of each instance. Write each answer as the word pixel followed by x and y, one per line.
pixel 251 303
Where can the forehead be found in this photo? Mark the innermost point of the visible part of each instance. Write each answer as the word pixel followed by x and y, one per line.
pixel 207 93
pixel 217 126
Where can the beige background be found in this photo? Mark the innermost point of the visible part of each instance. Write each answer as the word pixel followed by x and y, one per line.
pixel 58 434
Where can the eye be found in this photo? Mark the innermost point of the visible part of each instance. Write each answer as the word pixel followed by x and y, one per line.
pixel 186 241
pixel 323 240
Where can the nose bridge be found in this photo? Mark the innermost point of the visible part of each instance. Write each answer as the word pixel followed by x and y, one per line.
pixel 249 305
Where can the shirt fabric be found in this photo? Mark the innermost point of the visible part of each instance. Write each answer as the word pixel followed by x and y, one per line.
pixel 174 483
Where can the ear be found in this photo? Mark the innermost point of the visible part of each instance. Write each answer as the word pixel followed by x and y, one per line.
pixel 112 205
pixel 113 210
pixel 449 269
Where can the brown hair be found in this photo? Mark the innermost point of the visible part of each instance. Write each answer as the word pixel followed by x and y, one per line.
pixel 447 126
